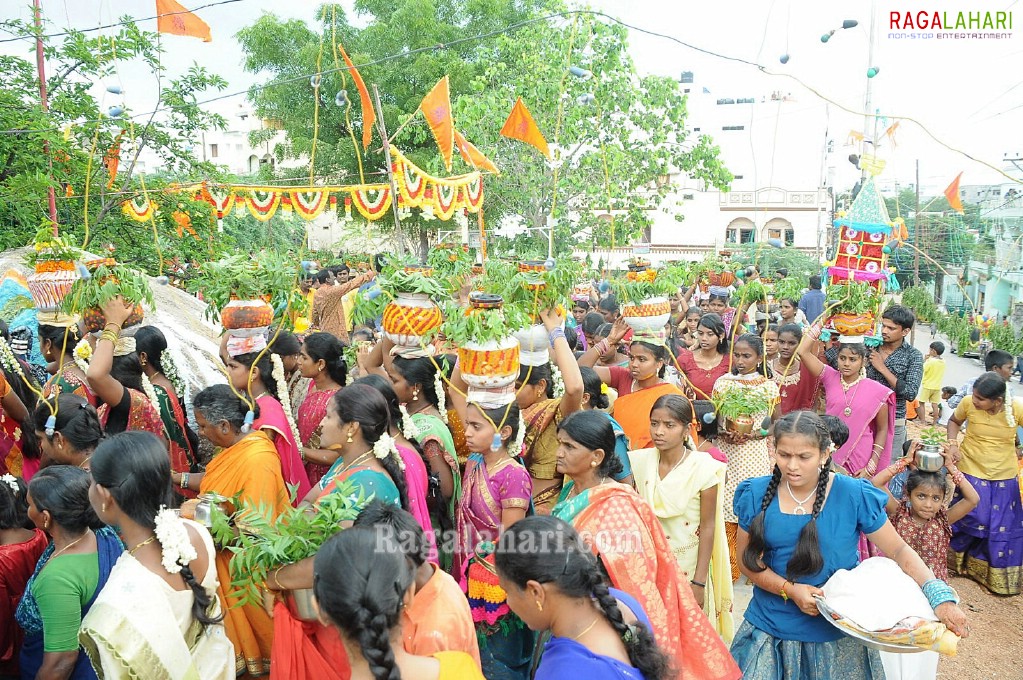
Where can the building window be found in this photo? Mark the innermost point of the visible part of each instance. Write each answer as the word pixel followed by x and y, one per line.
pixel 696 129
pixel 736 176
pixel 733 127
pixel 740 236
pixel 790 237
pixel 213 151
pixel 687 197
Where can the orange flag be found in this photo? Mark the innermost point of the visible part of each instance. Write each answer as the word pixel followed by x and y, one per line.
pixel 175 19
pixel 112 159
pixel 521 126
pixel 473 156
pixel 436 107
pixel 369 116
pixel 952 194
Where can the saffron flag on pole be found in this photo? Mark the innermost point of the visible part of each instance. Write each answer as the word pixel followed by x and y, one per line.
pixel 952 194
pixel 436 107
pixel 368 114
pixel 175 19
pixel 112 159
pixel 473 156
pixel 521 126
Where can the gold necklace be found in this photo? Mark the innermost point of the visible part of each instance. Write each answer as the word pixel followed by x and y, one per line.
pixel 142 544
pixel 70 545
pixel 847 411
pixel 681 460
pixel 586 630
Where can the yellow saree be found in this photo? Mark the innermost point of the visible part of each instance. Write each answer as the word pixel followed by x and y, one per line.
pixel 676 503
pixel 251 469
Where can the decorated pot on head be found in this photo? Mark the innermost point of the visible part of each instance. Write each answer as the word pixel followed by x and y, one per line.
pixel 649 316
pixel 582 291
pixel 723 279
pixel 852 324
pixel 534 342
pixel 409 321
pixel 239 314
pixel 51 282
pixel 489 368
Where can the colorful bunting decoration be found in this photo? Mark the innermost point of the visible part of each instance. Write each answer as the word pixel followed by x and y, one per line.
pixel 262 203
pixel 172 18
pixel 521 126
pixel 436 107
pixel 139 208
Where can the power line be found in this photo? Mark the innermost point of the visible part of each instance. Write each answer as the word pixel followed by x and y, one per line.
pixel 120 23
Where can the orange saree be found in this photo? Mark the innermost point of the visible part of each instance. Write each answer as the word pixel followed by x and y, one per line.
pixel 632 411
pixel 251 470
pixel 627 537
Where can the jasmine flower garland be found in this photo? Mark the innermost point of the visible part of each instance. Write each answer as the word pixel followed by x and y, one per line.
pixel 82 354
pixel 442 407
pixel 283 394
pixel 516 448
pixel 177 550
pixel 10 481
pixel 557 381
pixel 385 447
pixel 147 387
pixel 9 361
pixel 408 428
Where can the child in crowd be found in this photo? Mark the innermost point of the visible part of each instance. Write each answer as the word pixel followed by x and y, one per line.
pixel 707 432
pixel 947 393
pixel 838 431
pixel 934 376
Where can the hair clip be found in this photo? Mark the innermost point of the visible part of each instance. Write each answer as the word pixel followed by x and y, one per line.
pixel 250 417
pixel 51 425
pixel 708 417
pixel 495 445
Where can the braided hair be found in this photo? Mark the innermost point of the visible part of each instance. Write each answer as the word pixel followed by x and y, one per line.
pixel 360 578
pixel 561 559
pixel 806 559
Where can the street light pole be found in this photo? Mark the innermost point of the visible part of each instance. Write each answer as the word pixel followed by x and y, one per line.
pixel 916 229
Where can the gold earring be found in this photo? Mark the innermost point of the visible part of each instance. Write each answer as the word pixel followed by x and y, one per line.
pixel 350 440
pixel 539 607
pixel 593 463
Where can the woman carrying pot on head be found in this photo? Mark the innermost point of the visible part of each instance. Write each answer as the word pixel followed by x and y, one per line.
pixel 247 467
pixel 543 408
pixel 644 564
pixel 866 407
pixel 178 624
pixel 748 454
pixel 256 372
pixel 115 373
pixel 987 544
pixel 68 577
pixel 732 317
pixel 798 385
pixel 638 386
pixel 159 368
pixel 708 361
pixel 59 336
pixel 322 360
pixel 73 435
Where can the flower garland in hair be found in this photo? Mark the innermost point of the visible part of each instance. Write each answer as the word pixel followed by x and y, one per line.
pixel 557 381
pixel 176 548
pixel 284 395
pixel 442 406
pixel 1010 417
pixel 408 428
pixel 385 447
pixel 147 387
pixel 11 481
pixel 516 449
pixel 82 354
pixel 170 371
pixel 9 361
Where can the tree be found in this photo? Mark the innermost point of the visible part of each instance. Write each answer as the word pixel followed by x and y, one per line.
pixel 943 239
pixel 635 126
pixel 79 135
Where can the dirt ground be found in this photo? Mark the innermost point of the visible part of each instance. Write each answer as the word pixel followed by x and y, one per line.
pixel 996 631
pixel 996 636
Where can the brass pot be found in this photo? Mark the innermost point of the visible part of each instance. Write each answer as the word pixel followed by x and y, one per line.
pixel 741 425
pixel 300 604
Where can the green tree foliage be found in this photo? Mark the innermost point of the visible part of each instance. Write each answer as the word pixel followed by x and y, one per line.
pixel 78 134
pixel 634 130
pixel 942 237
pixel 769 260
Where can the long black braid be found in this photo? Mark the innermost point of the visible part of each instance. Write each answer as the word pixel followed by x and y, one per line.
pixel 374 637
pixel 806 559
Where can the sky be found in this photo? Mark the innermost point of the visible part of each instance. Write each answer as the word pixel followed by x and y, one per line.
pixel 967 94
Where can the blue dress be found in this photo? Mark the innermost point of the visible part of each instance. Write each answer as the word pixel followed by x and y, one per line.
pixel 778 640
pixel 564 658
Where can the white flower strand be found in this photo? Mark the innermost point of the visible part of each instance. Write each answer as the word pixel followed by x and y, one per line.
pixel 171 372
pixel 516 449
pixel 442 407
pixel 283 394
pixel 9 361
pixel 557 381
pixel 408 428
pixel 82 354
pixel 177 550
pixel 11 481
pixel 147 387
pixel 384 447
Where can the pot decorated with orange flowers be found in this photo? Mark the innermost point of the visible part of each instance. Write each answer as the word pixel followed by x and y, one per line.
pixel 853 324
pixel 239 314
pixel 51 283
pixel 410 319
pixel 488 353
pixel 650 315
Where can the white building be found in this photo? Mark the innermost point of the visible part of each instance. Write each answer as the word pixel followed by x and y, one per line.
pixel 784 166
pixel 232 149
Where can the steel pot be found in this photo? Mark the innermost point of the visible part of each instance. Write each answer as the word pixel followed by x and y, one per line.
pixel 928 458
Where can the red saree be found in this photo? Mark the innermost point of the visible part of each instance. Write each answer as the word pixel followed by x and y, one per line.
pixel 627 537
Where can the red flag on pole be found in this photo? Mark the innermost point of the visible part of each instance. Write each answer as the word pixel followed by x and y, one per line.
pixel 436 107
pixel 368 114
pixel 473 156
pixel 172 18
pixel 521 126
pixel 952 194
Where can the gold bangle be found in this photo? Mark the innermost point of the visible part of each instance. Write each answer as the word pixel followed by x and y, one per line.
pixel 277 580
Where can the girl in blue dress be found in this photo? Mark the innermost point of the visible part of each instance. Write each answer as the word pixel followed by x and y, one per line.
pixel 797 528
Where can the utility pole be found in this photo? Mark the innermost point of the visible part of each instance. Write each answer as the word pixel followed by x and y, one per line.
pixel 868 104
pixel 382 129
pixel 916 230
pixel 40 66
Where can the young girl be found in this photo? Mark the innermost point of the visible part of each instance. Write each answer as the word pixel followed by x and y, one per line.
pixel 799 388
pixel 797 528
pixel 685 488
pixel 770 336
pixel 707 429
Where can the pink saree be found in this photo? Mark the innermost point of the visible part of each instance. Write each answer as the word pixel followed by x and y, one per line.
pixel 310 414
pixel 273 419
pixel 864 400
pixel 418 485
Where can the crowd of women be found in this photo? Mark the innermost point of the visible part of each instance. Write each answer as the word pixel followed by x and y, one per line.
pixel 594 525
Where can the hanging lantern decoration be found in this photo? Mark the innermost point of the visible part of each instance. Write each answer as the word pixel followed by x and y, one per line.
pixel 341 100
pixel 315 80
pixel 580 73
pixel 784 59
pixel 114 89
pixel 115 111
